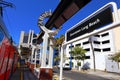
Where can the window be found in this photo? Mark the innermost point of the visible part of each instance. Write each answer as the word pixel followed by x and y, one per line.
pixel 97 35
pixel 1 35
pixel 87 57
pixel 96 49
pixel 25 40
pixel 34 54
pixel 70 52
pixel 33 60
pixel 71 46
pixel 37 61
pixel 34 41
pixel 105 42
pixel 87 42
pixel 88 49
pixel 71 57
pixel 96 42
pixel 105 34
pixel 106 49
pixel 78 45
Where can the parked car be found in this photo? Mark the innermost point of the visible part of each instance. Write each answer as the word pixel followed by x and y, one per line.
pixel 66 66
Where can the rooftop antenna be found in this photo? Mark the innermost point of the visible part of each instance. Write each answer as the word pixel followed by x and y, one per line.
pixel 4 4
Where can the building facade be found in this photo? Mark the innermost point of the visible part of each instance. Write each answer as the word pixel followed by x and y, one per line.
pixel 104 44
pixel 28 46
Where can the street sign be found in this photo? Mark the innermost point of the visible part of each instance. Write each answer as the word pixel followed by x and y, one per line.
pixel 43 16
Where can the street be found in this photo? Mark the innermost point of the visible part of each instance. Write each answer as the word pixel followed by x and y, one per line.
pixel 73 75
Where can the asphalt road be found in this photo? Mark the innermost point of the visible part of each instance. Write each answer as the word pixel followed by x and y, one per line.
pixel 72 75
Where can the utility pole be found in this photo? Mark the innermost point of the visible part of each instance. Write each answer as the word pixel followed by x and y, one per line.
pixel 4 4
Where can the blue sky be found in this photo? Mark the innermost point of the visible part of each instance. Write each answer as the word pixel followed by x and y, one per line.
pixel 25 14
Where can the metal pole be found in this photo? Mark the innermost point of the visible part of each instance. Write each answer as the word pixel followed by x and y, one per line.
pixel 32 54
pixel 91 41
pixel 35 57
pixel 71 57
pixel 61 63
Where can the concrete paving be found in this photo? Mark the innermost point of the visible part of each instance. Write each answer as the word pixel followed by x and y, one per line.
pixel 113 76
pixel 108 75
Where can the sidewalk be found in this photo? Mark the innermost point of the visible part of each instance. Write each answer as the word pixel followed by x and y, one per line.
pixel 56 77
pixel 108 75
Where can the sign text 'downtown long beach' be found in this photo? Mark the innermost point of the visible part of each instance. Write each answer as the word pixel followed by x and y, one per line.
pixel 98 20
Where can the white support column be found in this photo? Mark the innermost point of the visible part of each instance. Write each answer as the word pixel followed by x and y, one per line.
pixel 40 57
pixel 35 57
pixel 61 62
pixel 29 36
pixel 32 54
pixel 50 54
pixel 44 52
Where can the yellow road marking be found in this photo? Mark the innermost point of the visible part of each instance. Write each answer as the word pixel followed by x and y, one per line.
pixel 21 75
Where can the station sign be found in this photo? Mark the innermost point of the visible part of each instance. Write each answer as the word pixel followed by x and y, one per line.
pixel 41 20
pixel 97 21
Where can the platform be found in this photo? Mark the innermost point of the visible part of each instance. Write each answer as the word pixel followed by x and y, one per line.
pixel 23 73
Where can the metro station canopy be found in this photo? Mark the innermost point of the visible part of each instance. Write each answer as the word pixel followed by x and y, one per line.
pixel 64 11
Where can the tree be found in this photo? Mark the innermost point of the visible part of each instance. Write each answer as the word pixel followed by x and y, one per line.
pixel 56 59
pixel 116 57
pixel 60 40
pixel 58 44
pixel 78 53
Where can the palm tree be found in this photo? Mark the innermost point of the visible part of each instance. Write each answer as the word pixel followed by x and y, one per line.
pixel 78 53
pixel 56 59
pixel 59 42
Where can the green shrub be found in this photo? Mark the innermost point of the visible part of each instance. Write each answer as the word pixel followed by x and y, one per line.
pixel 79 63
